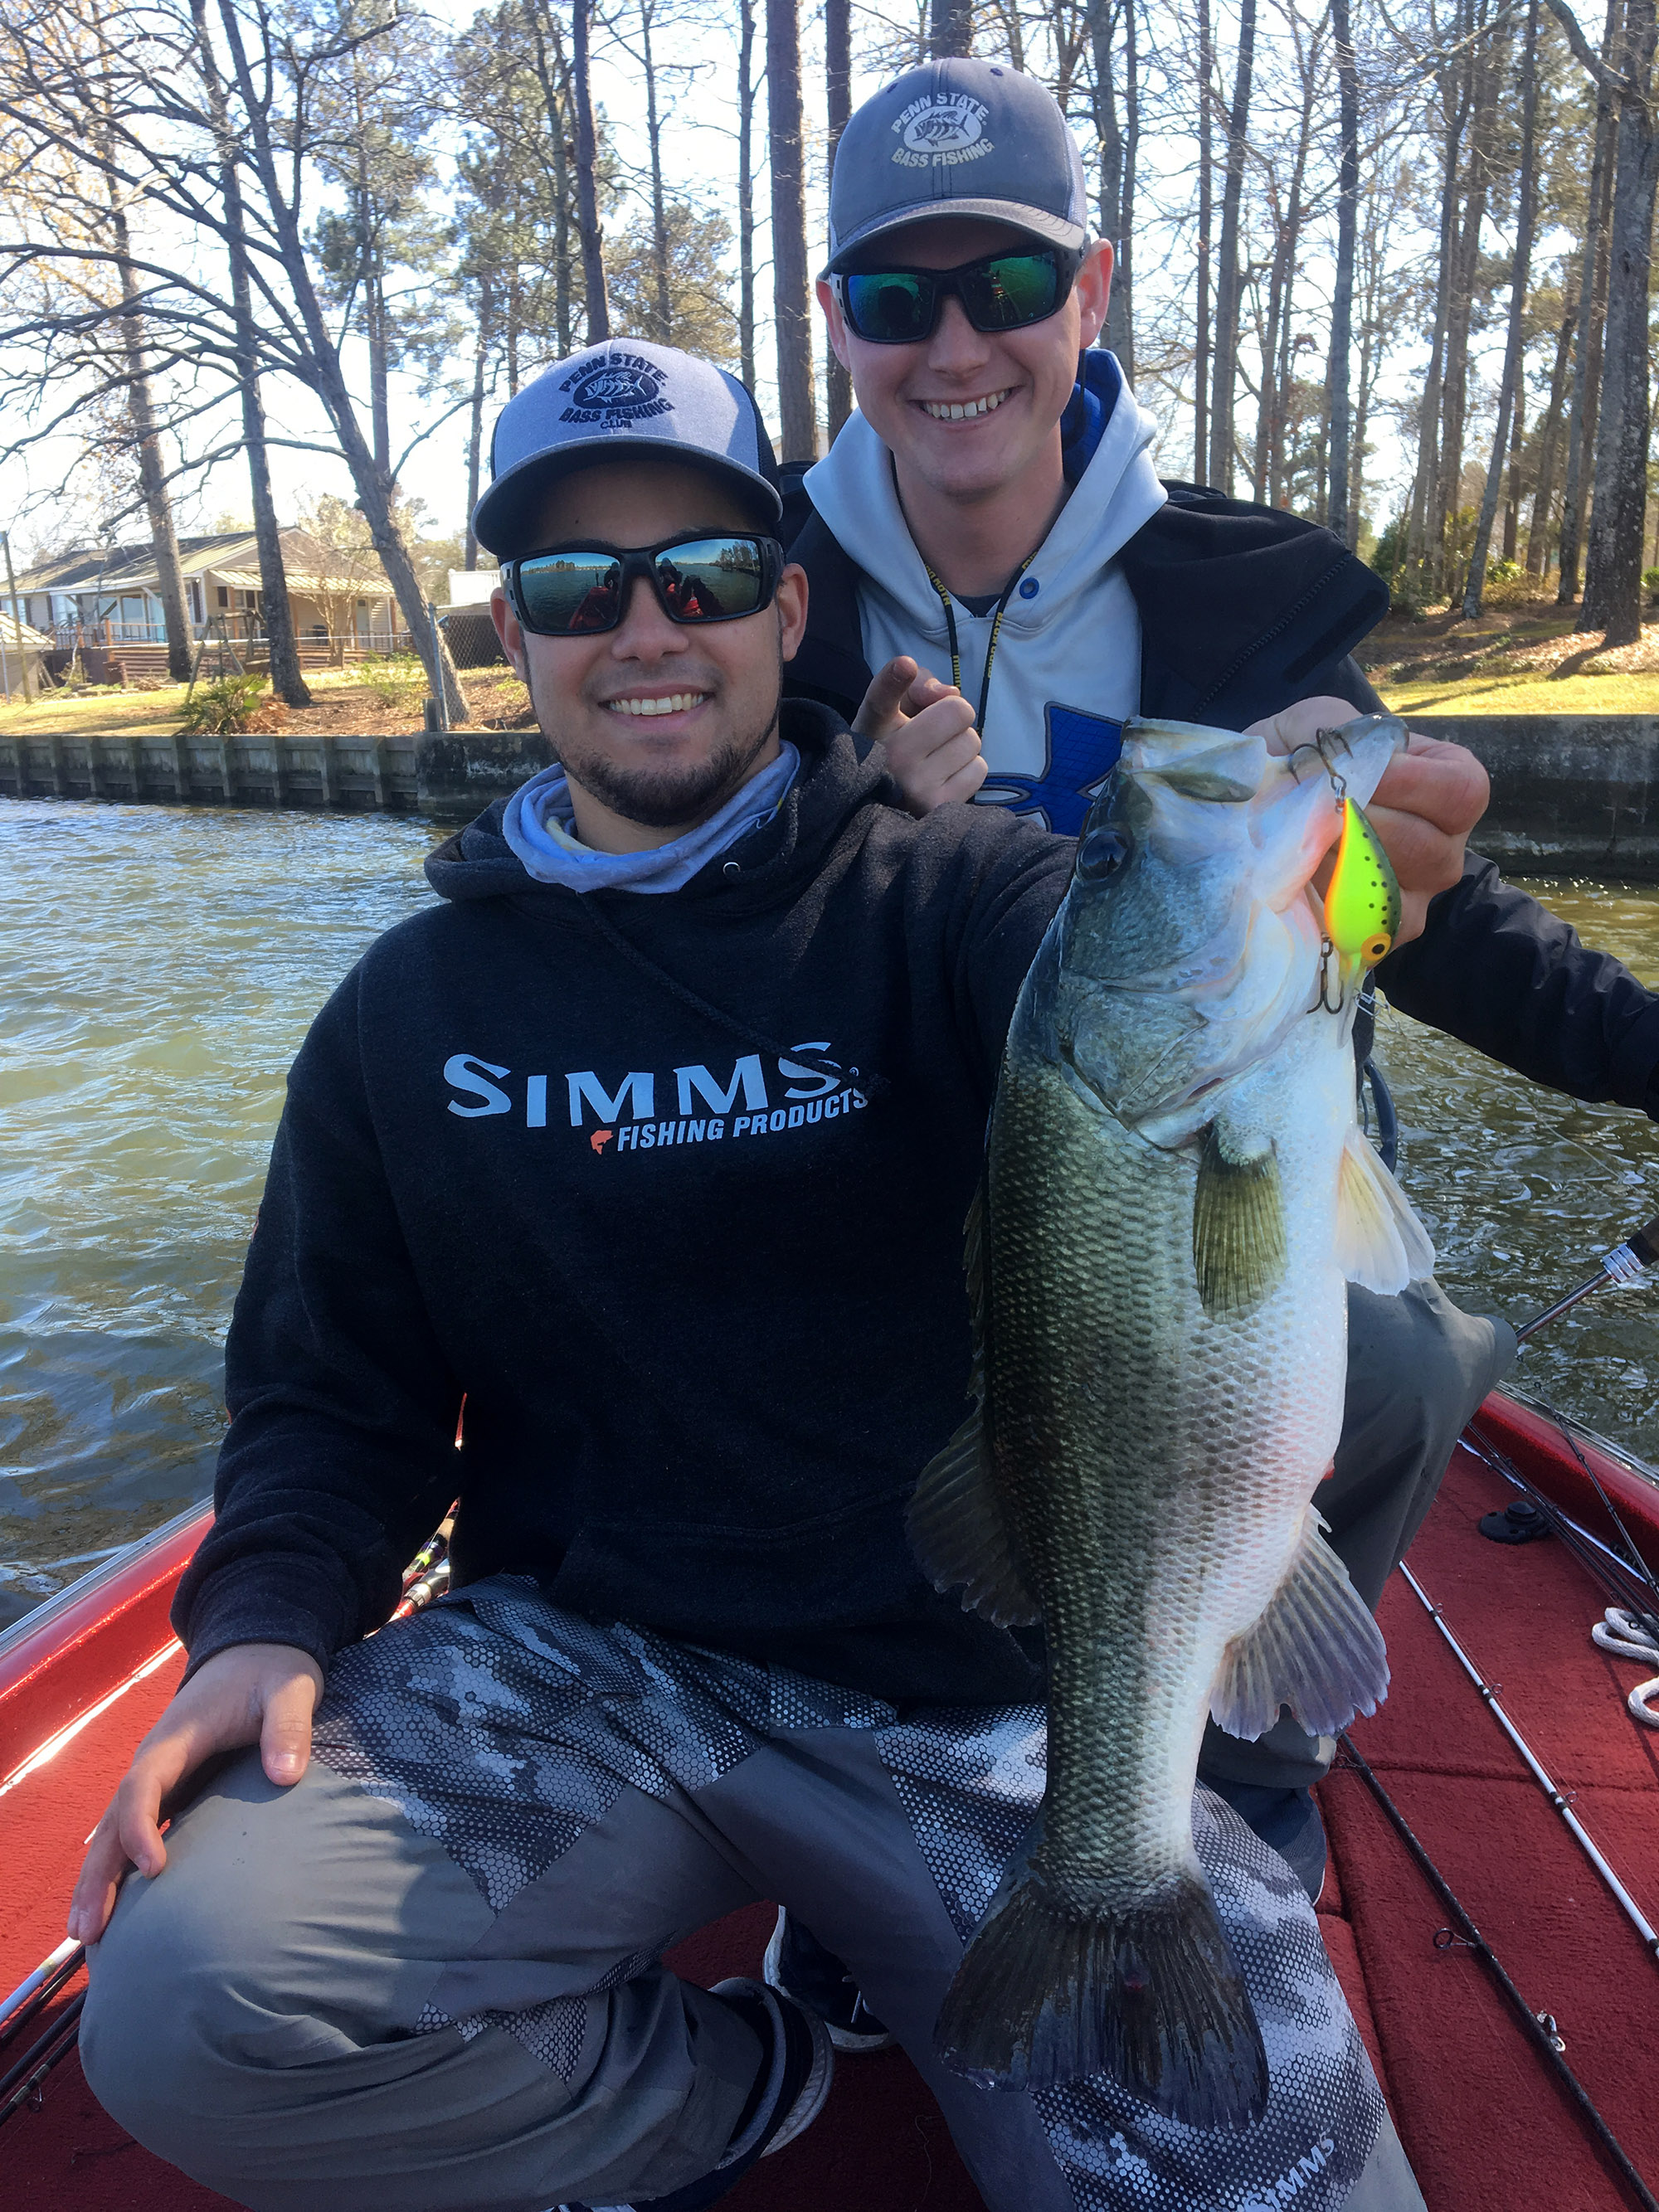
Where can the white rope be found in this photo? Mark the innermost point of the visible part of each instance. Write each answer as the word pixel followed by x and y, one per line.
pixel 1622 1634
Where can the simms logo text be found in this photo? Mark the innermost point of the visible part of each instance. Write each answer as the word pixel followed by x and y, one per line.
pixel 621 1113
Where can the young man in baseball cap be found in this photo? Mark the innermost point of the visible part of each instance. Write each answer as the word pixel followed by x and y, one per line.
pixel 988 539
pixel 645 1155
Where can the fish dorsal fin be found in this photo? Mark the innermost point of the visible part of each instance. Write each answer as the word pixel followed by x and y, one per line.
pixel 1238 1224
pixel 1316 1649
pixel 1380 1243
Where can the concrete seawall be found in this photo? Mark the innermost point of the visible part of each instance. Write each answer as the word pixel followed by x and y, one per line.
pixel 1571 794
pixel 453 776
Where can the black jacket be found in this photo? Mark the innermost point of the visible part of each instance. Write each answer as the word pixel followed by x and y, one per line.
pixel 704 1300
pixel 1244 609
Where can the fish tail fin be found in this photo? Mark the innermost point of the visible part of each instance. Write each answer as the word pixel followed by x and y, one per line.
pixel 1150 1995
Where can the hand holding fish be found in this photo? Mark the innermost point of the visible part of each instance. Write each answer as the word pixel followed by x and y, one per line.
pixel 1431 797
pixel 927 728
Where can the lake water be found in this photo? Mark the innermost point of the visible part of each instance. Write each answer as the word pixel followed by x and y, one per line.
pixel 158 970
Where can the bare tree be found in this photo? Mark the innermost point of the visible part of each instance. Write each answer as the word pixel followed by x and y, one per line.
pixel 1206 210
pixel 1229 291
pixel 1612 579
pixel 838 100
pixel 1510 384
pixel 1338 518
pixel 746 189
pixel 791 295
pixel 598 306
pixel 1592 319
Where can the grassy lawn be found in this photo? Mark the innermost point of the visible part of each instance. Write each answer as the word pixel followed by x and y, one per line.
pixel 100 707
pixel 340 702
pixel 1528 693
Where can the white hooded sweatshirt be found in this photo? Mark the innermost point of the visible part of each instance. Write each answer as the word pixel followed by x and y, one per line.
pixel 1067 671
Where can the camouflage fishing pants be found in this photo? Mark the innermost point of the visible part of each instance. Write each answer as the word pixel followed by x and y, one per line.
pixel 429 1978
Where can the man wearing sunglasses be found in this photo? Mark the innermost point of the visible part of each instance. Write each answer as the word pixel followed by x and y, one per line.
pixel 991 516
pixel 644 1156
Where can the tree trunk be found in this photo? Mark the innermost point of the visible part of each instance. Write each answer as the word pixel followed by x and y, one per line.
pixel 1512 501
pixel 663 315
pixel 287 676
pixel 554 82
pixel 1510 385
pixel 1592 319
pixel 746 192
pixel 152 471
pixel 1206 212
pixel 475 428
pixel 950 28
pixel 838 101
pixel 587 205
pixel 1422 536
pixel 1120 330
pixel 1229 286
pixel 1338 518
pixel 791 297
pixel 1612 580
pixel 1549 446
pixel 1487 59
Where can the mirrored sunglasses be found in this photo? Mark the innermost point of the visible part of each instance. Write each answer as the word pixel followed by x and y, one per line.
pixel 1001 292
pixel 571 591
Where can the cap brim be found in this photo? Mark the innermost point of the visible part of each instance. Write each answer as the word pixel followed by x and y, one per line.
pixel 1054 229
pixel 498 518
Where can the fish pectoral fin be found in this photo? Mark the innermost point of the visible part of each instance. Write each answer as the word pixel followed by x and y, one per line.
pixel 1316 1649
pixel 1238 1224
pixel 959 1533
pixel 1380 1243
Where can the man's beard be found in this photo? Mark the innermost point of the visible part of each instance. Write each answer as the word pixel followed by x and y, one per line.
pixel 663 798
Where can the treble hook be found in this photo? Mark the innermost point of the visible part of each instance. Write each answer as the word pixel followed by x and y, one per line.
pixel 1327 954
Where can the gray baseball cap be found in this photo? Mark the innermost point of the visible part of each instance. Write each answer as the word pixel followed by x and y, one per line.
pixel 957 137
pixel 625 395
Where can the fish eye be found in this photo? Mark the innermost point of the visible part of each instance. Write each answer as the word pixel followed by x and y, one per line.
pixel 1102 853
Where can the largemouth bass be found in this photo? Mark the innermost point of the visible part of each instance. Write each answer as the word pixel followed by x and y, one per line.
pixel 1176 1191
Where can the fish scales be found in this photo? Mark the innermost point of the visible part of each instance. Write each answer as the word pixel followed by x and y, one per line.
pixel 1159 1402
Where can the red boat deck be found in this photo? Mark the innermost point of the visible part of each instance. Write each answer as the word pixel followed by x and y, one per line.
pixel 1484 2124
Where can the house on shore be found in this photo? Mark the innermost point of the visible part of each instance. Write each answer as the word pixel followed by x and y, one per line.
pixel 21 650
pixel 105 602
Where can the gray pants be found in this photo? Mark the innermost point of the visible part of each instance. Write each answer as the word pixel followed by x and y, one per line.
pixel 1418 1368
pixel 430 1977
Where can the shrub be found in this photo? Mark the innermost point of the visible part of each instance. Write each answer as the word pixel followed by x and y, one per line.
pixel 393 678
pixel 224 708
pixel 1650 580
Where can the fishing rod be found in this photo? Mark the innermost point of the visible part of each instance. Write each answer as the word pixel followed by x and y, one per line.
pixel 1581 1835
pixel 1540 2028
pixel 1627 1263
pixel 22 2079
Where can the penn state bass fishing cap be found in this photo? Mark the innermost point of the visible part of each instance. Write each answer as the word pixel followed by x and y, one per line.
pixel 957 137
pixel 625 395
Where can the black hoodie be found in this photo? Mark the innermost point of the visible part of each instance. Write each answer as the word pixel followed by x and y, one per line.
pixel 703 1299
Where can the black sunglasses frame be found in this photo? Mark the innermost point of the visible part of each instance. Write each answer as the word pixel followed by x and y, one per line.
pixel 948 284
pixel 641 561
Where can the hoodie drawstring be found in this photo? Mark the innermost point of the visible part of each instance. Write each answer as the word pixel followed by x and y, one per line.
pixel 991 643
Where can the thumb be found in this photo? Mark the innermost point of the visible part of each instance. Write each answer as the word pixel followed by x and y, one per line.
pixel 285 1731
pixel 881 702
